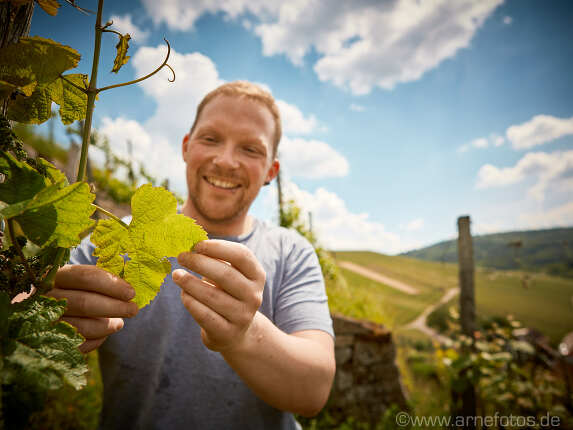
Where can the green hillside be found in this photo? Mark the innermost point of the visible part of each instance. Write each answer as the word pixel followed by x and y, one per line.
pixel 550 251
pixel 538 300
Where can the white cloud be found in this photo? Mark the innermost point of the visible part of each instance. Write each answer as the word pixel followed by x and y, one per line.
pixel 196 75
pixel 360 44
pixel 293 120
pixel 338 228
pixel 483 142
pixel 357 108
pixel 560 216
pixel 539 130
pixel 414 225
pixel 124 24
pixel 182 14
pixel 311 159
pixel 507 20
pixel 547 169
pixel 372 43
pixel 155 155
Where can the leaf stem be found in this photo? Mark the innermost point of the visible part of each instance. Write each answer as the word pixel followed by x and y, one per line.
pixel 92 92
pixel 109 214
pixel 164 64
pixel 15 244
pixel 105 30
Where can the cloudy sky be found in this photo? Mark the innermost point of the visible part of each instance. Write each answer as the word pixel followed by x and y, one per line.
pixel 398 116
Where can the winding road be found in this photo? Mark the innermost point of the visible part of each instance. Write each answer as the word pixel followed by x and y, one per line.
pixel 419 323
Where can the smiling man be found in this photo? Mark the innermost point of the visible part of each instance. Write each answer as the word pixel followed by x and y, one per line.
pixel 240 335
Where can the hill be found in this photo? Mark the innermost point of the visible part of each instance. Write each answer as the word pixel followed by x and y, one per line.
pixel 549 250
pixel 538 300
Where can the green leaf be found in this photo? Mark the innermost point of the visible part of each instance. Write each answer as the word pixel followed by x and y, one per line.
pixel 22 182
pixel 40 351
pixel 57 215
pixel 74 102
pixel 111 238
pixel 35 109
pixel 48 212
pixel 156 232
pixel 121 57
pixel 35 61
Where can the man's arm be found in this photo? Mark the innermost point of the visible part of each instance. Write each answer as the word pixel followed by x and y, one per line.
pixel 290 372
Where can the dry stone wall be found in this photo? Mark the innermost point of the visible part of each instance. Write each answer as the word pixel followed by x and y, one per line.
pixel 367 379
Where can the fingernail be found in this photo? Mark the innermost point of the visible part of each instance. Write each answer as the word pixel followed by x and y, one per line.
pixel 177 275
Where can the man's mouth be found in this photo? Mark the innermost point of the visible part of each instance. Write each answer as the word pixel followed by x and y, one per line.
pixel 222 183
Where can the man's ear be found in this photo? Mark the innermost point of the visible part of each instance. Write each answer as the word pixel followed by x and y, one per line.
pixel 273 171
pixel 185 145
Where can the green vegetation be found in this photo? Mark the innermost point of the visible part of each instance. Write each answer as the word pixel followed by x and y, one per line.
pixel 537 250
pixel 538 300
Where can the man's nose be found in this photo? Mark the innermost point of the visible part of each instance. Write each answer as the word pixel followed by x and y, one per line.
pixel 226 158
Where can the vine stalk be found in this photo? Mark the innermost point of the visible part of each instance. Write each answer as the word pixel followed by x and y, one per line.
pixel 48 282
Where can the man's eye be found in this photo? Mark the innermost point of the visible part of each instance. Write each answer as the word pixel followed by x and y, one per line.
pixel 210 139
pixel 252 150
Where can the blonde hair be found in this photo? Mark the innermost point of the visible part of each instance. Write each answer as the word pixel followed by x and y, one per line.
pixel 249 91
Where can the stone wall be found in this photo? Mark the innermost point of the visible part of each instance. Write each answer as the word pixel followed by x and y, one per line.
pixel 367 379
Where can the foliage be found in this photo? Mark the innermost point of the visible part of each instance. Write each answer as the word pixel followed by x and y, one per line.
pixel 544 303
pixel 39 353
pixel 147 241
pixel 547 250
pixel 290 217
pixel 507 371
pixel 43 216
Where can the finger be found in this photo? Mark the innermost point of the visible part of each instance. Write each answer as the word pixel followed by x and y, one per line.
pixel 211 296
pixel 91 344
pixel 94 328
pixel 88 304
pixel 217 272
pixel 240 257
pixel 92 278
pixel 208 319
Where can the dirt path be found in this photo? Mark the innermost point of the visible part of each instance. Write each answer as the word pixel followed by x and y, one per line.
pixel 420 322
pixel 375 276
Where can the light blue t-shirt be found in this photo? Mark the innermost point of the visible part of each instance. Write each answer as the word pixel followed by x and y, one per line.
pixel 157 374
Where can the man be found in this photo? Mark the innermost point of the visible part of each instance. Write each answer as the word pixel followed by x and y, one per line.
pixel 247 337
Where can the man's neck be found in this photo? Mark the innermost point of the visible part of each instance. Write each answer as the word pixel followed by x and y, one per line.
pixel 236 227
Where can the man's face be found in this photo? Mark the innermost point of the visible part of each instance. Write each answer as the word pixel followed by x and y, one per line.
pixel 229 158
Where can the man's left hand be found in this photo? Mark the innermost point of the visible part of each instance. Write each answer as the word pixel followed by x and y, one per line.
pixel 225 300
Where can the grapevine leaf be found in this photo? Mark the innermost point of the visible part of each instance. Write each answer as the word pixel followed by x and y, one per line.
pixel 55 215
pixel 22 182
pixel 35 61
pixel 49 6
pixel 74 102
pixel 156 232
pixel 47 210
pixel 35 109
pixel 40 351
pixel 55 176
pixel 121 57
pixel 110 237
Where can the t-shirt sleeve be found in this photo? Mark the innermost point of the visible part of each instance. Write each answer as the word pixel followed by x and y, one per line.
pixel 83 253
pixel 301 303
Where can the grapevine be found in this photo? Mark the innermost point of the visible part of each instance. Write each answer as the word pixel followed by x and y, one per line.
pixel 43 217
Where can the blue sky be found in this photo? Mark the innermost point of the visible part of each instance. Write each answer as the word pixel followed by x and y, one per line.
pixel 399 116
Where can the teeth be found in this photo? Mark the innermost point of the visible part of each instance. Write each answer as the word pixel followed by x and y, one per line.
pixel 220 183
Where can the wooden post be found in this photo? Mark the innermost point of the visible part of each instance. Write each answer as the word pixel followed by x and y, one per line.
pixel 467 309
pixel 466 274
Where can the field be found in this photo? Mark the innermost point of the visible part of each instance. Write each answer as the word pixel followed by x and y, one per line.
pixel 537 300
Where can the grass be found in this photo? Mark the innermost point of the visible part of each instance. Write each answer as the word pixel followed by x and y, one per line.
pixel 544 302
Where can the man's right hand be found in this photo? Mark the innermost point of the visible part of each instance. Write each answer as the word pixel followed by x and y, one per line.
pixel 97 302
